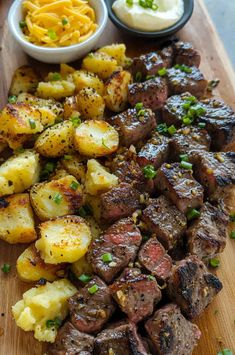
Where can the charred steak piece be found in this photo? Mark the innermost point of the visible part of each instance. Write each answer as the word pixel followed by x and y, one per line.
pixel 181 80
pixel 136 294
pixel 120 242
pixel 91 307
pixel 167 55
pixel 152 93
pixel 154 258
pixel 69 341
pixel 134 125
pixel 179 185
pixel 207 234
pixel 171 333
pixel 121 340
pixel 187 140
pixel 119 202
pixel 184 53
pixel 220 124
pixel 214 170
pixel 155 152
pixel 192 287
pixel 165 220
pixel 147 65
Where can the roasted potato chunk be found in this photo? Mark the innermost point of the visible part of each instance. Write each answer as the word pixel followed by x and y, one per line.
pixel 19 172
pixel 30 267
pixel 66 70
pixel 96 138
pixel 55 89
pixel 16 219
pixel 116 90
pixel 101 64
pixel 93 202
pixel 25 79
pixel 56 141
pixel 70 107
pixel 84 79
pixel 82 267
pixel 90 104
pixel 117 51
pixel 64 239
pixel 75 165
pixel 43 303
pixel 98 179
pixel 56 198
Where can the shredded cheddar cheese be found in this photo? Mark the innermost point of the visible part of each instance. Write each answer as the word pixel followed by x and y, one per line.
pixel 58 23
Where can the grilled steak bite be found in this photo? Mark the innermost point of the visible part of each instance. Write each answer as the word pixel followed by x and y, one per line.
pixel 134 125
pixel 165 220
pixel 181 80
pixel 69 341
pixel 187 140
pixel 167 55
pixel 91 307
pixel 173 111
pixel 154 258
pixel 136 294
pixel 179 185
pixel 207 234
pixel 192 287
pixel 152 93
pixel 214 170
pixel 184 53
pixel 171 333
pixel 121 242
pixel 220 124
pixel 147 65
pixel 121 340
pixel 119 202
pixel 155 152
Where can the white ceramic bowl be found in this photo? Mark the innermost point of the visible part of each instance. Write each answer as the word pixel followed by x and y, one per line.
pixel 62 54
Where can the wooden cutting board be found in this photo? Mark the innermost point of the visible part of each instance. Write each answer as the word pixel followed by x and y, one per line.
pixel 218 321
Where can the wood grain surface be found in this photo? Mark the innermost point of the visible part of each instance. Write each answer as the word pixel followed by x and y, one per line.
pixel 218 321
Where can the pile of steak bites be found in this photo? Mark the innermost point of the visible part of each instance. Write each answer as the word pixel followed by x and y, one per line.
pixel 165 219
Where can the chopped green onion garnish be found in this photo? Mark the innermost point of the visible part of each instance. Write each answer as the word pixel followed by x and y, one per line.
pixel 187 105
pixel 192 214
pixel 213 84
pixel 183 68
pixel 201 125
pixel 151 278
pixel 6 268
pixel 32 123
pixel 184 157
pixel 162 72
pixel 192 99
pixel 232 235
pixel 74 185
pixel 107 257
pixel 187 121
pixel 232 217
pixel 55 76
pixel 214 262
pixel 76 121
pixel 138 76
pixel 52 34
pixel 57 198
pixel 162 128
pixel 67 157
pixel 225 352
pixel 149 172
pixel 172 130
pixel 57 322
pixel 148 4
pixel 65 21
pixel 84 278
pixel 141 113
pixel 129 2
pixel 93 289
pixel 82 212
pixel 139 106
pixel 12 99
pixel 47 170
pixel 148 77
pixel 186 165
pixel 22 24
pixel 196 111
pixel 105 145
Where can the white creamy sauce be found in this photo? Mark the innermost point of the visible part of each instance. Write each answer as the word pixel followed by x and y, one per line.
pixel 146 19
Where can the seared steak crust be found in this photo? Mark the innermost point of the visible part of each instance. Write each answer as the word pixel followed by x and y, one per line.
pixel 173 111
pixel 171 333
pixel 192 287
pixel 147 64
pixel 184 53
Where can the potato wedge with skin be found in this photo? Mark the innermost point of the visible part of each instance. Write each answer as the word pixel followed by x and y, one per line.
pixel 101 64
pixel 84 79
pixel 25 79
pixel 64 239
pixel 96 138
pixel 90 104
pixel 30 267
pixel 70 107
pixel 56 141
pixel 56 198
pixel 98 179
pixel 16 219
pixel 19 172
pixel 55 89
pixel 117 51
pixel 82 267
pixel 75 165
pixel 116 90
pixel 43 303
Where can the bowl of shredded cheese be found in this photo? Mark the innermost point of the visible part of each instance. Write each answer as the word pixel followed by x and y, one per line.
pixel 56 31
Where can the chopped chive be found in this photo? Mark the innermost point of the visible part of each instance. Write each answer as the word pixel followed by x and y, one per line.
pixel 57 198
pixel 162 128
pixel 187 121
pixel 52 35
pixel 74 185
pixel 32 123
pixel 225 352
pixel 55 76
pixel 172 130
pixel 162 72
pixel 6 268
pixel 214 262
pixel 76 121
pixel 192 214
pixel 12 99
pixel 196 111
pixel 65 21
pixel 85 278
pixel 57 322
pixel 93 289
pixel 232 217
pixel 201 125
pixel 148 77
pixel 129 2
pixel 22 24
pixel 105 145
pixel 183 68
pixel 67 157
pixel 141 113
pixel 50 167
pixel 149 172
pixel 139 106
pixel 107 257
pixel 213 84
pixel 192 99
pixel 187 105
pixel 232 235
pixel 82 212
pixel 138 77
pixel 151 278
pixel 186 165
pixel 183 157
